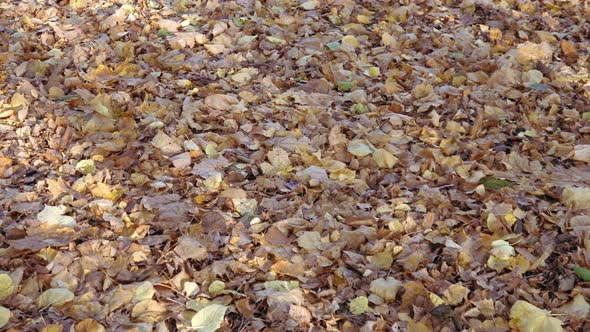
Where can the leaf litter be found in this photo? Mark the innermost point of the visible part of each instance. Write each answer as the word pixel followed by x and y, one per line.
pixel 302 165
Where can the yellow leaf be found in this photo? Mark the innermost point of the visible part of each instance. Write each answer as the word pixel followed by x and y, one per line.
pixel 86 166
pixel 350 40
pixel 214 181
pixel 374 72
pixel 309 240
pixel 103 190
pixel 455 294
pixel 382 260
pixel 78 4
pixel 359 305
pixel 343 175
pixel 55 297
pixel 384 158
pixel 576 197
pixel 4 316
pixel 208 318
pixel 309 5
pixel 386 288
pixel 53 328
pixel 89 325
pixel 148 311
pixel 364 19
pixel 6 286
pixel 502 249
pixel 527 318
pixel 414 326
pixel 216 287
pixel 435 299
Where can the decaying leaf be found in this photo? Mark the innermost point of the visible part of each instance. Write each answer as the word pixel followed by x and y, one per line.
pixel 294 165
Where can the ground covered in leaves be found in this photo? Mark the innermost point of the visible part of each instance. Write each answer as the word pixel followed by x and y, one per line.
pixel 317 165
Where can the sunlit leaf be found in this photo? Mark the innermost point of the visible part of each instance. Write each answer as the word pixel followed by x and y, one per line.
pixel 55 297
pixel 527 318
pixel 6 286
pixel 359 305
pixel 209 318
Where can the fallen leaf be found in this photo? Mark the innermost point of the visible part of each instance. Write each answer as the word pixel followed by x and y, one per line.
pixel 6 286
pixel 216 287
pixel 386 288
pixel 384 158
pixel 455 294
pixel 309 240
pixel 359 305
pixel 55 297
pixel 88 325
pixel 148 311
pixel 86 166
pixel 4 316
pixel 166 144
pixel 576 197
pixel 582 152
pixel 359 148
pixel 209 318
pixel 578 307
pixel 54 215
pixel 527 318
pixel 583 273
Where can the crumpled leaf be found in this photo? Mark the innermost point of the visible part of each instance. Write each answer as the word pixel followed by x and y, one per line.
pixel 86 166
pixel 386 288
pixel 500 255
pixel 166 144
pixel 55 297
pixel 455 294
pixel 209 318
pixel 527 318
pixel 221 102
pixel 54 215
pixel 529 52
pixel 309 240
pixel 576 197
pixel 582 152
pixel 578 307
pixel 384 158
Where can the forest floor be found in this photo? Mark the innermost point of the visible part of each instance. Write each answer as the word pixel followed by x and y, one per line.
pixel 281 165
